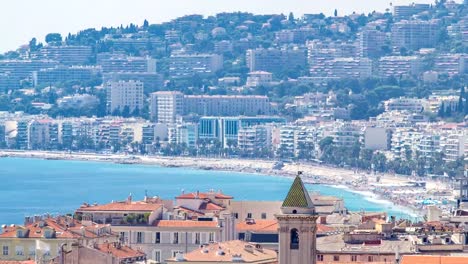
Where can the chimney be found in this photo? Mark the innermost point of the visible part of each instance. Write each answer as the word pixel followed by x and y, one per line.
pixel 129 198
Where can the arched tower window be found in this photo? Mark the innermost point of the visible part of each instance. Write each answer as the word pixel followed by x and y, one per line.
pixel 294 239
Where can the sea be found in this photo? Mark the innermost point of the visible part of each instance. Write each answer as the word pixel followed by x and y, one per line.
pixel 36 186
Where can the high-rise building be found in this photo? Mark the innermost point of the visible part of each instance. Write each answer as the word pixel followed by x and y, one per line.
pixel 2 136
pixel 122 63
pixel 17 70
pixel 70 55
pixel 61 74
pixel 151 81
pixel 371 42
pixel 414 34
pixel 188 65
pixel 451 64
pixel 22 138
pixel 401 11
pixel 275 60
pixel 399 66
pixel 358 68
pixel 226 105
pixel 166 106
pixel 122 95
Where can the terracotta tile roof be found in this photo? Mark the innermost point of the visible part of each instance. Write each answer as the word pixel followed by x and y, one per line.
pixel 121 206
pixel 209 206
pixel 265 226
pixel 17 262
pixel 298 196
pixel 59 226
pixel 245 252
pixel 186 223
pixel 200 195
pixel 425 259
pixel 321 229
pixel 188 210
pixel 119 251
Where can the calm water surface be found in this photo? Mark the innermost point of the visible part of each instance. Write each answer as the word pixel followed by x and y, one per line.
pixel 35 186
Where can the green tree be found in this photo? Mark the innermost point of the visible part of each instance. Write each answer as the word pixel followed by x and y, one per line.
pixel 53 37
pixel 126 111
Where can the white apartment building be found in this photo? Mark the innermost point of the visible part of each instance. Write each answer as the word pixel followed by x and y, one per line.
pixel 188 65
pixel 406 104
pixel 358 68
pixel 166 106
pixel 345 134
pixel 399 66
pixel 124 94
pixel 252 139
pixel 377 138
pixel 453 144
pixel 259 78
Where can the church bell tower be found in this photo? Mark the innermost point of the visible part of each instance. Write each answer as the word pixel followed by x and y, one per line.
pixel 297 226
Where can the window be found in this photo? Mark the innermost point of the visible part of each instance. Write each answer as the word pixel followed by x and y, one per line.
pixel 197 238
pixel 353 258
pixel 19 251
pixel 294 239
pixel 336 258
pixel 175 239
pixel 157 256
pixel 319 257
pixel 236 215
pixel 5 250
pixel 211 237
pixel 175 252
pixel 264 215
pixel 249 215
pixel 32 251
pixel 157 239
pixel 370 258
pixel 139 237
pixel 123 237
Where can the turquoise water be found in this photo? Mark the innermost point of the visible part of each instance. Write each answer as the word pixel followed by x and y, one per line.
pixel 35 186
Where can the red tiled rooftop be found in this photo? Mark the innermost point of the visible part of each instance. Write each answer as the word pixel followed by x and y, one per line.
pixel 17 262
pixel 268 226
pixel 34 230
pixel 121 206
pixel 185 223
pixel 119 251
pixel 424 259
pixel 210 207
pixel 200 195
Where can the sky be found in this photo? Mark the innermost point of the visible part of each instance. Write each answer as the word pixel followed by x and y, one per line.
pixel 21 20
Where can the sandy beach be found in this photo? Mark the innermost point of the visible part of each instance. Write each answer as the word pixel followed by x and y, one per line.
pixel 392 188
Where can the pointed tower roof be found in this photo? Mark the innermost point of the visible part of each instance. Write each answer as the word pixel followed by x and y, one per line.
pixel 298 196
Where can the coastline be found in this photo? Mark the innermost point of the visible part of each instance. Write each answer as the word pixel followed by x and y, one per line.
pixel 313 173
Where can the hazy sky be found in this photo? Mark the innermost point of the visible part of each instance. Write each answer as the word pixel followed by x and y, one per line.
pixel 21 20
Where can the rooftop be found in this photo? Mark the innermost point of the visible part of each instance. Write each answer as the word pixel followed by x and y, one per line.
pixel 424 259
pixel 298 195
pixel 200 195
pixel 119 251
pixel 125 206
pixel 230 251
pixel 336 244
pixel 186 223
pixel 62 228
